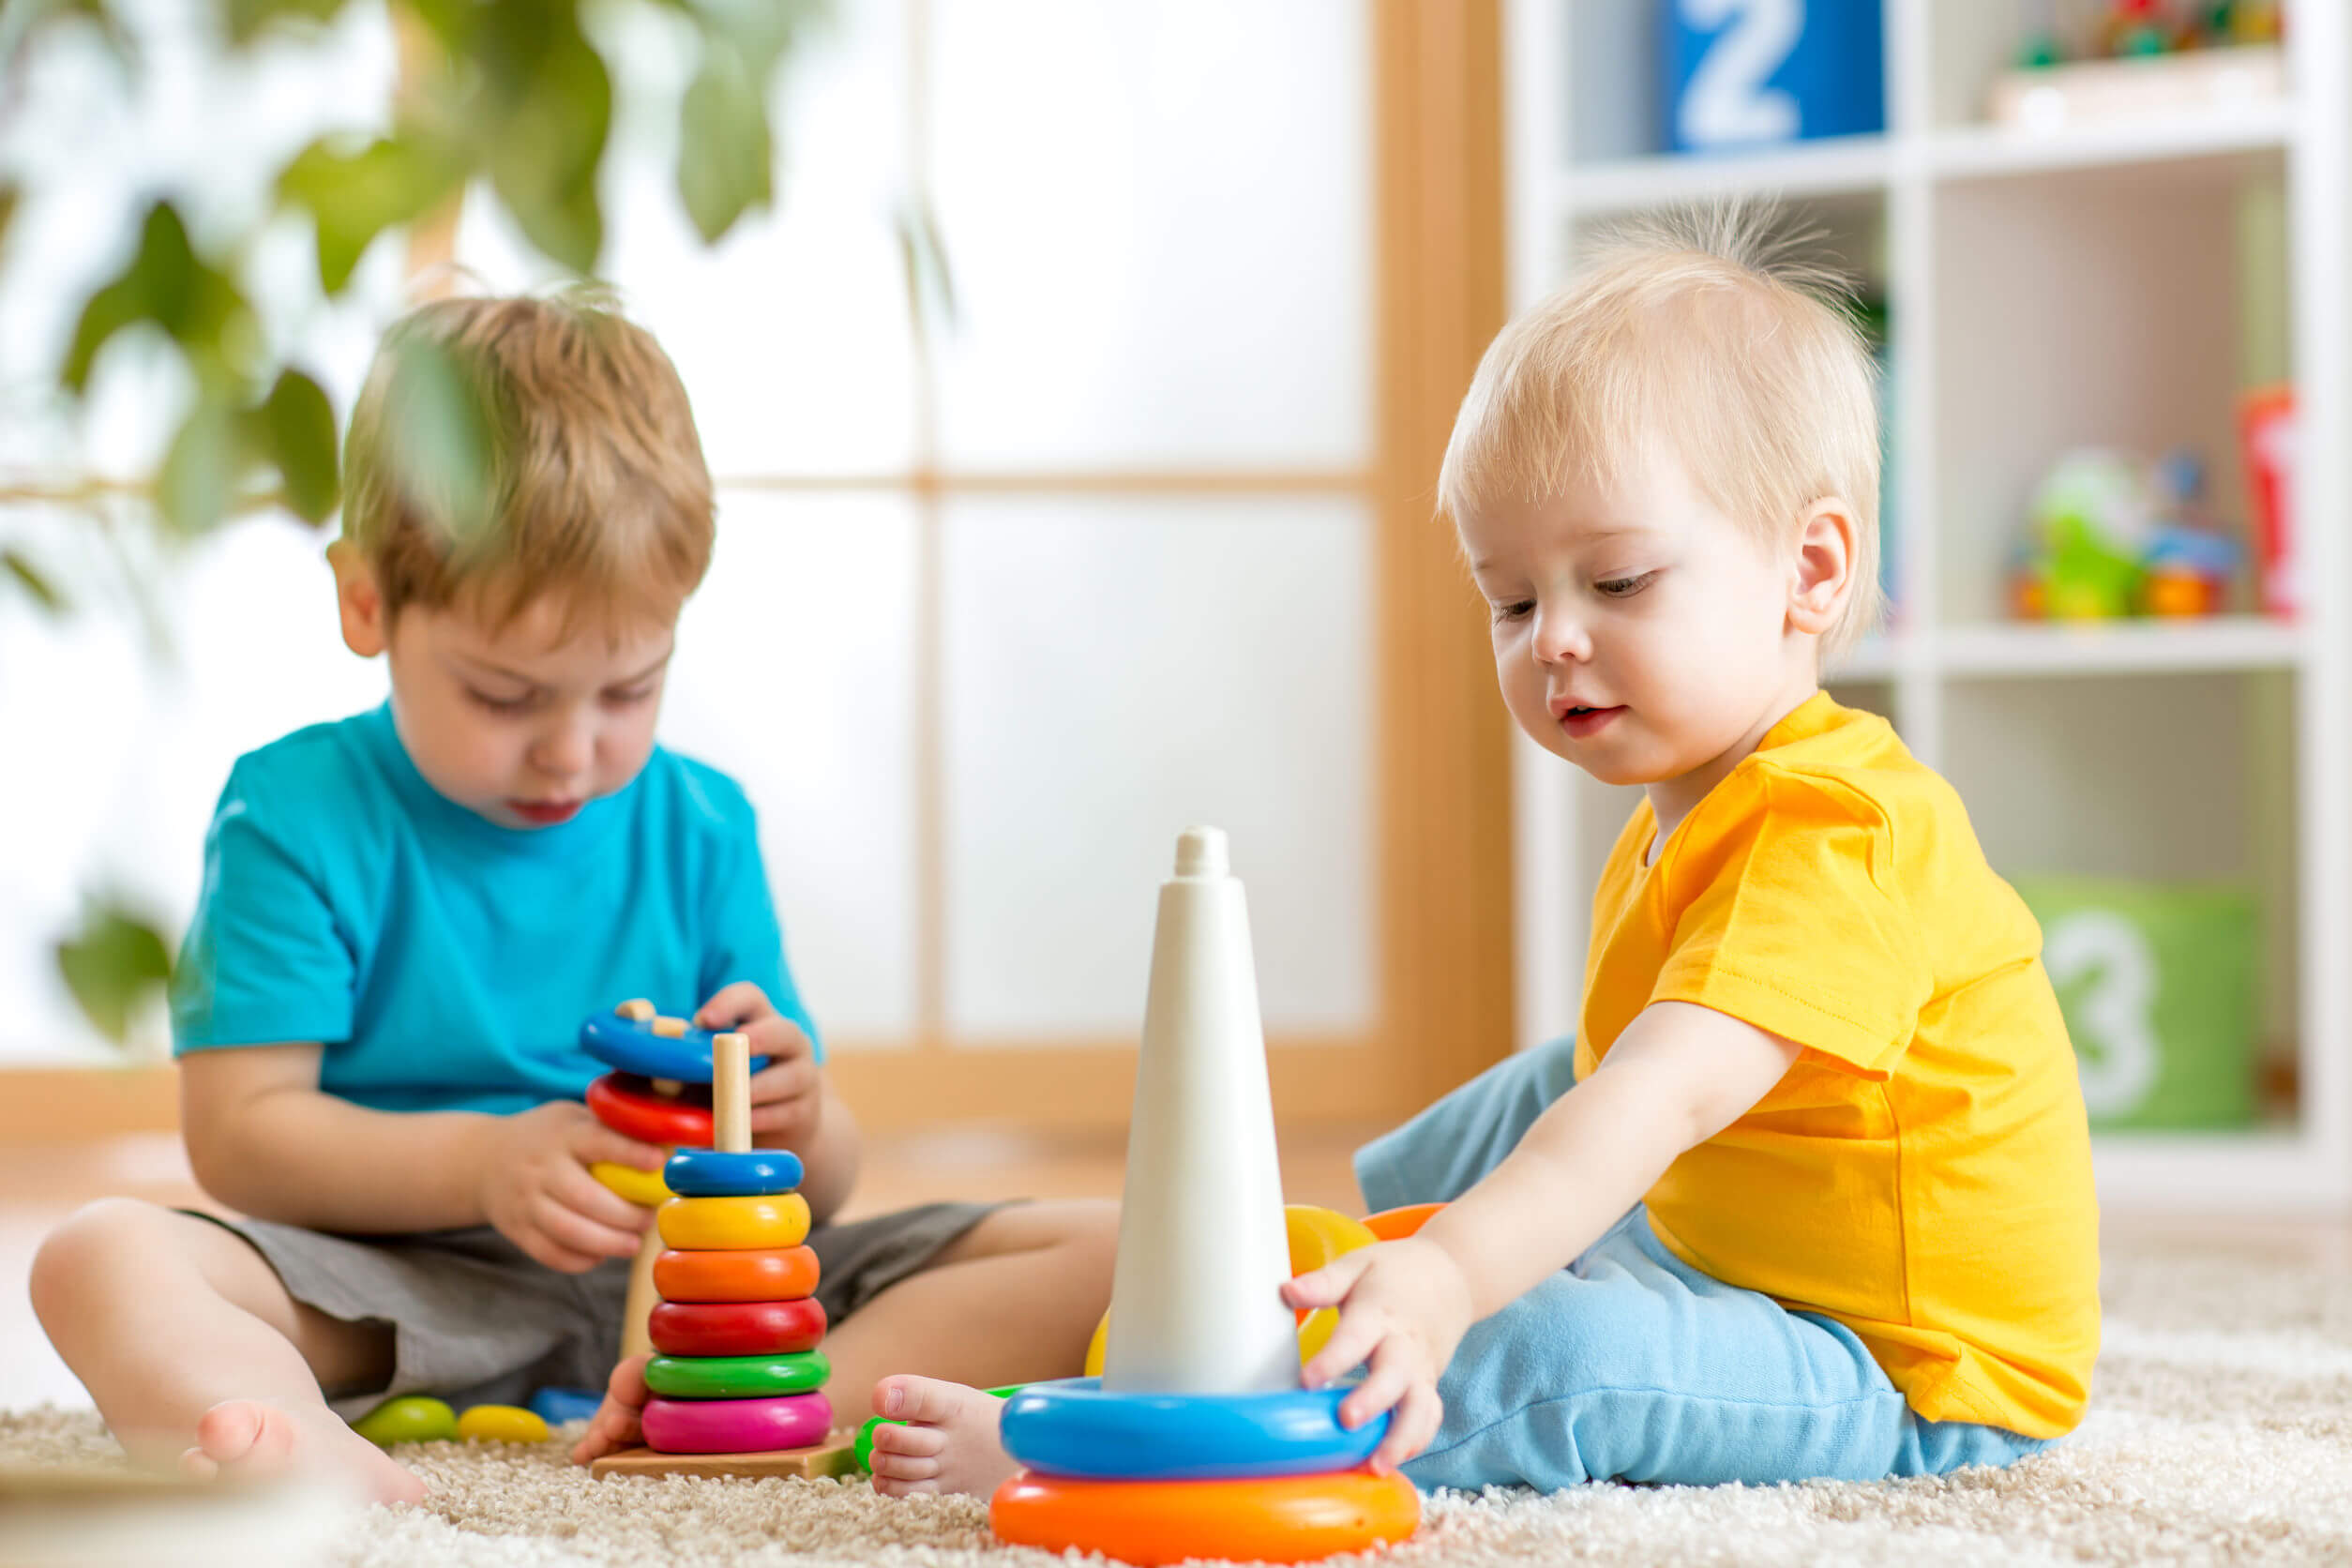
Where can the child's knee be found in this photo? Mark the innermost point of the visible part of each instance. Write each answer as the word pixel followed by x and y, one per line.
pixel 91 1250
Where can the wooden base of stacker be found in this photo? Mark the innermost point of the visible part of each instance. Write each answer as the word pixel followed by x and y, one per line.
pixel 836 1457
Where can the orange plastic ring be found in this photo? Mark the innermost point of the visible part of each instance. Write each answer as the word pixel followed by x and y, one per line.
pixel 767 1275
pixel 1394 1225
pixel 1282 1518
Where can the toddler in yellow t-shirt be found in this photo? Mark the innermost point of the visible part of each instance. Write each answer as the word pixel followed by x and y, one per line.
pixel 1819 1203
pixel 1810 1195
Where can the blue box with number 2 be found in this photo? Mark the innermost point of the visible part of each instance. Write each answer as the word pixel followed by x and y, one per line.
pixel 1744 73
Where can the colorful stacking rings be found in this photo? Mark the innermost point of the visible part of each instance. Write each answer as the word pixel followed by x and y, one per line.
pixel 717 1174
pixel 634 1048
pixel 736 1425
pixel 638 1113
pixel 1071 1427
pixel 736 1377
pixel 1270 1518
pixel 764 1274
pixel 734 1223
pixel 753 1328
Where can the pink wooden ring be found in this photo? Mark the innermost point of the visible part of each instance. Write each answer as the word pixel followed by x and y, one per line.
pixel 737 1425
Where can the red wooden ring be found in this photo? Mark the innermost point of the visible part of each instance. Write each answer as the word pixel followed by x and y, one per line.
pixel 737 1328
pixel 753 1274
pixel 648 1117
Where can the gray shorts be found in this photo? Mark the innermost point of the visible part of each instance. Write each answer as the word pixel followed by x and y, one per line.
pixel 477 1322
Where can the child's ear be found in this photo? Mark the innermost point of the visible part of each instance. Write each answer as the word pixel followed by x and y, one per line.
pixel 359 600
pixel 1824 565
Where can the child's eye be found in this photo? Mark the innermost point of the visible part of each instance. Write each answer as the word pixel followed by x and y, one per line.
pixel 1517 610
pixel 630 695
pixel 1625 587
pixel 500 705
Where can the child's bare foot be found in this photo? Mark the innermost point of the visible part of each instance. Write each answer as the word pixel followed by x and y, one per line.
pixel 615 1424
pixel 949 1443
pixel 248 1440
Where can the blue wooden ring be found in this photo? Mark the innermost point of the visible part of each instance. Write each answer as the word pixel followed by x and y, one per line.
pixel 720 1174
pixel 1074 1428
pixel 634 1048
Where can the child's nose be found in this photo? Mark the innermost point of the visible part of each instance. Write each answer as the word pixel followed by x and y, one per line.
pixel 1561 638
pixel 565 748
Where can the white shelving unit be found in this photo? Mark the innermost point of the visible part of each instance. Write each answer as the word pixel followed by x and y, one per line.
pixel 2204 749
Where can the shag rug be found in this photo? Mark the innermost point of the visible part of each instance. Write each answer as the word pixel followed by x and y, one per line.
pixel 2221 1432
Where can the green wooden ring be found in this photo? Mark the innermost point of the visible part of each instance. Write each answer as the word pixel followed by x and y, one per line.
pixel 736 1377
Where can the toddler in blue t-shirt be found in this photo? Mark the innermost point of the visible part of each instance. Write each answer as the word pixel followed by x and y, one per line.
pixel 406 915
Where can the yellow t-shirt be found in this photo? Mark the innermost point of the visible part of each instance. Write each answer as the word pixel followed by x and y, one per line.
pixel 1922 1174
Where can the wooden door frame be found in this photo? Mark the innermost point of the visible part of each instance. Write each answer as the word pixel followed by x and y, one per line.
pixel 1441 796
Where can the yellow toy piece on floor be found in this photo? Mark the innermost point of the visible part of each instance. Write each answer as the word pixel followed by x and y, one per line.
pixel 501 1424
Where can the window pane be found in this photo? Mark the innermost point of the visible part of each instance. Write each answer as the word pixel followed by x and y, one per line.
pixel 795 673
pixel 792 335
pixel 1116 670
pixel 141 733
pixel 1158 218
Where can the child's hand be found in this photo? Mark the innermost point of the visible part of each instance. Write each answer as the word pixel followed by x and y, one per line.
pixel 1403 1308
pixel 537 1190
pixel 614 1426
pixel 787 1094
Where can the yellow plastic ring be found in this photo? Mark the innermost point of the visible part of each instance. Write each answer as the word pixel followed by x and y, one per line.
pixel 734 1223
pixel 644 1188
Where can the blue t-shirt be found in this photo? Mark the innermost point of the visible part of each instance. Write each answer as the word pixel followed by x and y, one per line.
pixel 445 962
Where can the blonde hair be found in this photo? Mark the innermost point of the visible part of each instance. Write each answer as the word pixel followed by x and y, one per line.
pixel 593 488
pixel 1698 330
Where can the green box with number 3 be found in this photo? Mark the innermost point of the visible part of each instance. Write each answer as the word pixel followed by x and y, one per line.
pixel 2157 982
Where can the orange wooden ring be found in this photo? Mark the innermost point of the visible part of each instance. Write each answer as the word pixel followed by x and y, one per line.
pixel 1394 1225
pixel 1281 1519
pixel 764 1274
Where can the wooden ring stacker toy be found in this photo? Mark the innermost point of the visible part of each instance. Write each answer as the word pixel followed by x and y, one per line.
pixel 1072 1427
pixel 742 1430
pixel 736 1377
pixel 741 1224
pixel 772 1274
pixel 750 1305
pixel 1285 1518
pixel 748 1328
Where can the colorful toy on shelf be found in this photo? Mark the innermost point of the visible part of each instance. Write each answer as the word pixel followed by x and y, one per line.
pixel 728 1300
pixel 2140 59
pixel 1197 1440
pixel 2109 537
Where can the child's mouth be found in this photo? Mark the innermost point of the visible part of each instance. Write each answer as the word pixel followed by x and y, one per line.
pixel 1583 722
pixel 543 811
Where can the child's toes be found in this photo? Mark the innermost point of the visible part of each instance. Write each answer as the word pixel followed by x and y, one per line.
pixel 923 1442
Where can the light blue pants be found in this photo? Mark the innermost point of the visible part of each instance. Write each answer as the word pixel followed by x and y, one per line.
pixel 1629 1363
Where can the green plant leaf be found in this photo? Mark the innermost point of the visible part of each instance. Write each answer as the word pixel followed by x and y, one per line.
pixel 166 283
pixel 726 154
pixel 354 196
pixel 439 438
pixel 298 422
pixel 31 579
pixel 552 108
pixel 201 468
pixel 249 18
pixel 112 965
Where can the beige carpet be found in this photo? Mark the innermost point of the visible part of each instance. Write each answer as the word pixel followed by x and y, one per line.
pixel 2222 1432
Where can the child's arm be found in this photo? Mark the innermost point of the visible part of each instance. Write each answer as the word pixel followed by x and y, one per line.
pixel 1675 1077
pixel 263 1138
pixel 792 1103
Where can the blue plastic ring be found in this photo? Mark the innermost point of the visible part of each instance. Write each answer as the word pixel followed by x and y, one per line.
pixel 720 1174
pixel 1072 1428
pixel 634 1048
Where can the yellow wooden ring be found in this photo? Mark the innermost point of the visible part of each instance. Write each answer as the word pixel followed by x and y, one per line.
pixel 643 1187
pixel 734 1223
